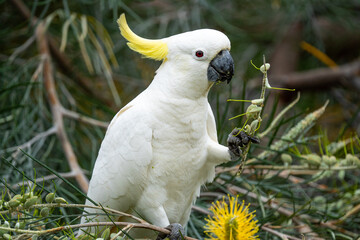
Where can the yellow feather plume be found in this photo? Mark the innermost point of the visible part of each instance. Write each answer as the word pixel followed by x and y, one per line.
pixel 155 49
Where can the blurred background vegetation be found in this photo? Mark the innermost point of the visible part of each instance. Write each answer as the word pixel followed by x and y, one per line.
pixel 312 46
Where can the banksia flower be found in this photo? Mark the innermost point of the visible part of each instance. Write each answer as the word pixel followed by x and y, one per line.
pixel 231 221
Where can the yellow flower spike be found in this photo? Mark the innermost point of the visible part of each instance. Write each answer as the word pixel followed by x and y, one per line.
pixel 231 221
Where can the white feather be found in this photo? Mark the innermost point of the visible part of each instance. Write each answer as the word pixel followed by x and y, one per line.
pixel 162 146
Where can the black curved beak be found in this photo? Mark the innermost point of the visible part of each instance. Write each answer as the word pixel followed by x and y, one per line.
pixel 221 68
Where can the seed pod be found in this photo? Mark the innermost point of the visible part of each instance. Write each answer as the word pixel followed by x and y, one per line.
pixel 13 203
pixel 247 129
pixel 356 161
pixel 44 212
pixel 7 236
pixel 329 160
pixel 30 202
pixel 17 225
pixel 257 102
pixel 105 235
pixel 313 159
pixel 34 237
pixel 265 67
pixel 352 159
pixel 60 200
pixel 252 111
pixel 254 125
pixel 17 197
pixel 6 224
pixel 27 195
pixel 286 158
pixel 50 197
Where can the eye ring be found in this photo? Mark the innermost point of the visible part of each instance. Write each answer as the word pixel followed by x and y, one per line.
pixel 199 54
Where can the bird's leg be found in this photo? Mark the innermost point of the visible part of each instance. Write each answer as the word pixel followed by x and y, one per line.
pixel 177 232
pixel 238 139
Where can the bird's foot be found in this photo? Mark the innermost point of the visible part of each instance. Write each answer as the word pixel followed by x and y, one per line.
pixel 238 139
pixel 176 232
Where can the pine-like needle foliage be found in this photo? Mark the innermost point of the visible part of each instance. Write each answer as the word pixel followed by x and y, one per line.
pixel 65 71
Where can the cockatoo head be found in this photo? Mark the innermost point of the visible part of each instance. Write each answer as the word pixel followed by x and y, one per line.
pixel 203 52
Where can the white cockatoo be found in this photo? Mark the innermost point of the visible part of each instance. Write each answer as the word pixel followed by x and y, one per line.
pixel 162 146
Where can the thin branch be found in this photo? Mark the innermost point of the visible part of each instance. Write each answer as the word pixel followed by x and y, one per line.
pixel 62 60
pixel 200 210
pixel 300 167
pixel 84 119
pixel 51 205
pixel 29 143
pixel 43 179
pixel 56 107
pixel 279 234
pixel 292 169
pixel 142 223
pixel 286 174
pixel 318 78
pixel 352 211
pixel 93 224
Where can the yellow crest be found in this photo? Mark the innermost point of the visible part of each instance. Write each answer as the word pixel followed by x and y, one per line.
pixel 155 49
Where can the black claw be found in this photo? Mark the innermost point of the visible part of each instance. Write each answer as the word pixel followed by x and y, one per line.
pixel 238 139
pixel 176 232
pixel 254 140
pixel 244 138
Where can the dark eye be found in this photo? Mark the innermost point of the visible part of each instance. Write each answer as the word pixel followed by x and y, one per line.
pixel 199 54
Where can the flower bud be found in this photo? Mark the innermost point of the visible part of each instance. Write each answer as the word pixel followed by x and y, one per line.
pixel 27 195
pixel 254 125
pixel 17 197
pixel 7 236
pixel 265 67
pixel 247 129
pixel 257 102
pixel 50 197
pixel 313 159
pixel 13 203
pixel 329 160
pixel 252 111
pixel 6 224
pixel 60 200
pixel 286 158
pixel 17 225
pixel 30 202
pixel 352 159
pixel 44 212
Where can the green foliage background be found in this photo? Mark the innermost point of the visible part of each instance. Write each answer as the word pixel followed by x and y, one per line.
pixel 114 75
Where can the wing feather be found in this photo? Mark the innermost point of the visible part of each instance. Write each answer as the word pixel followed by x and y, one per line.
pixel 124 157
